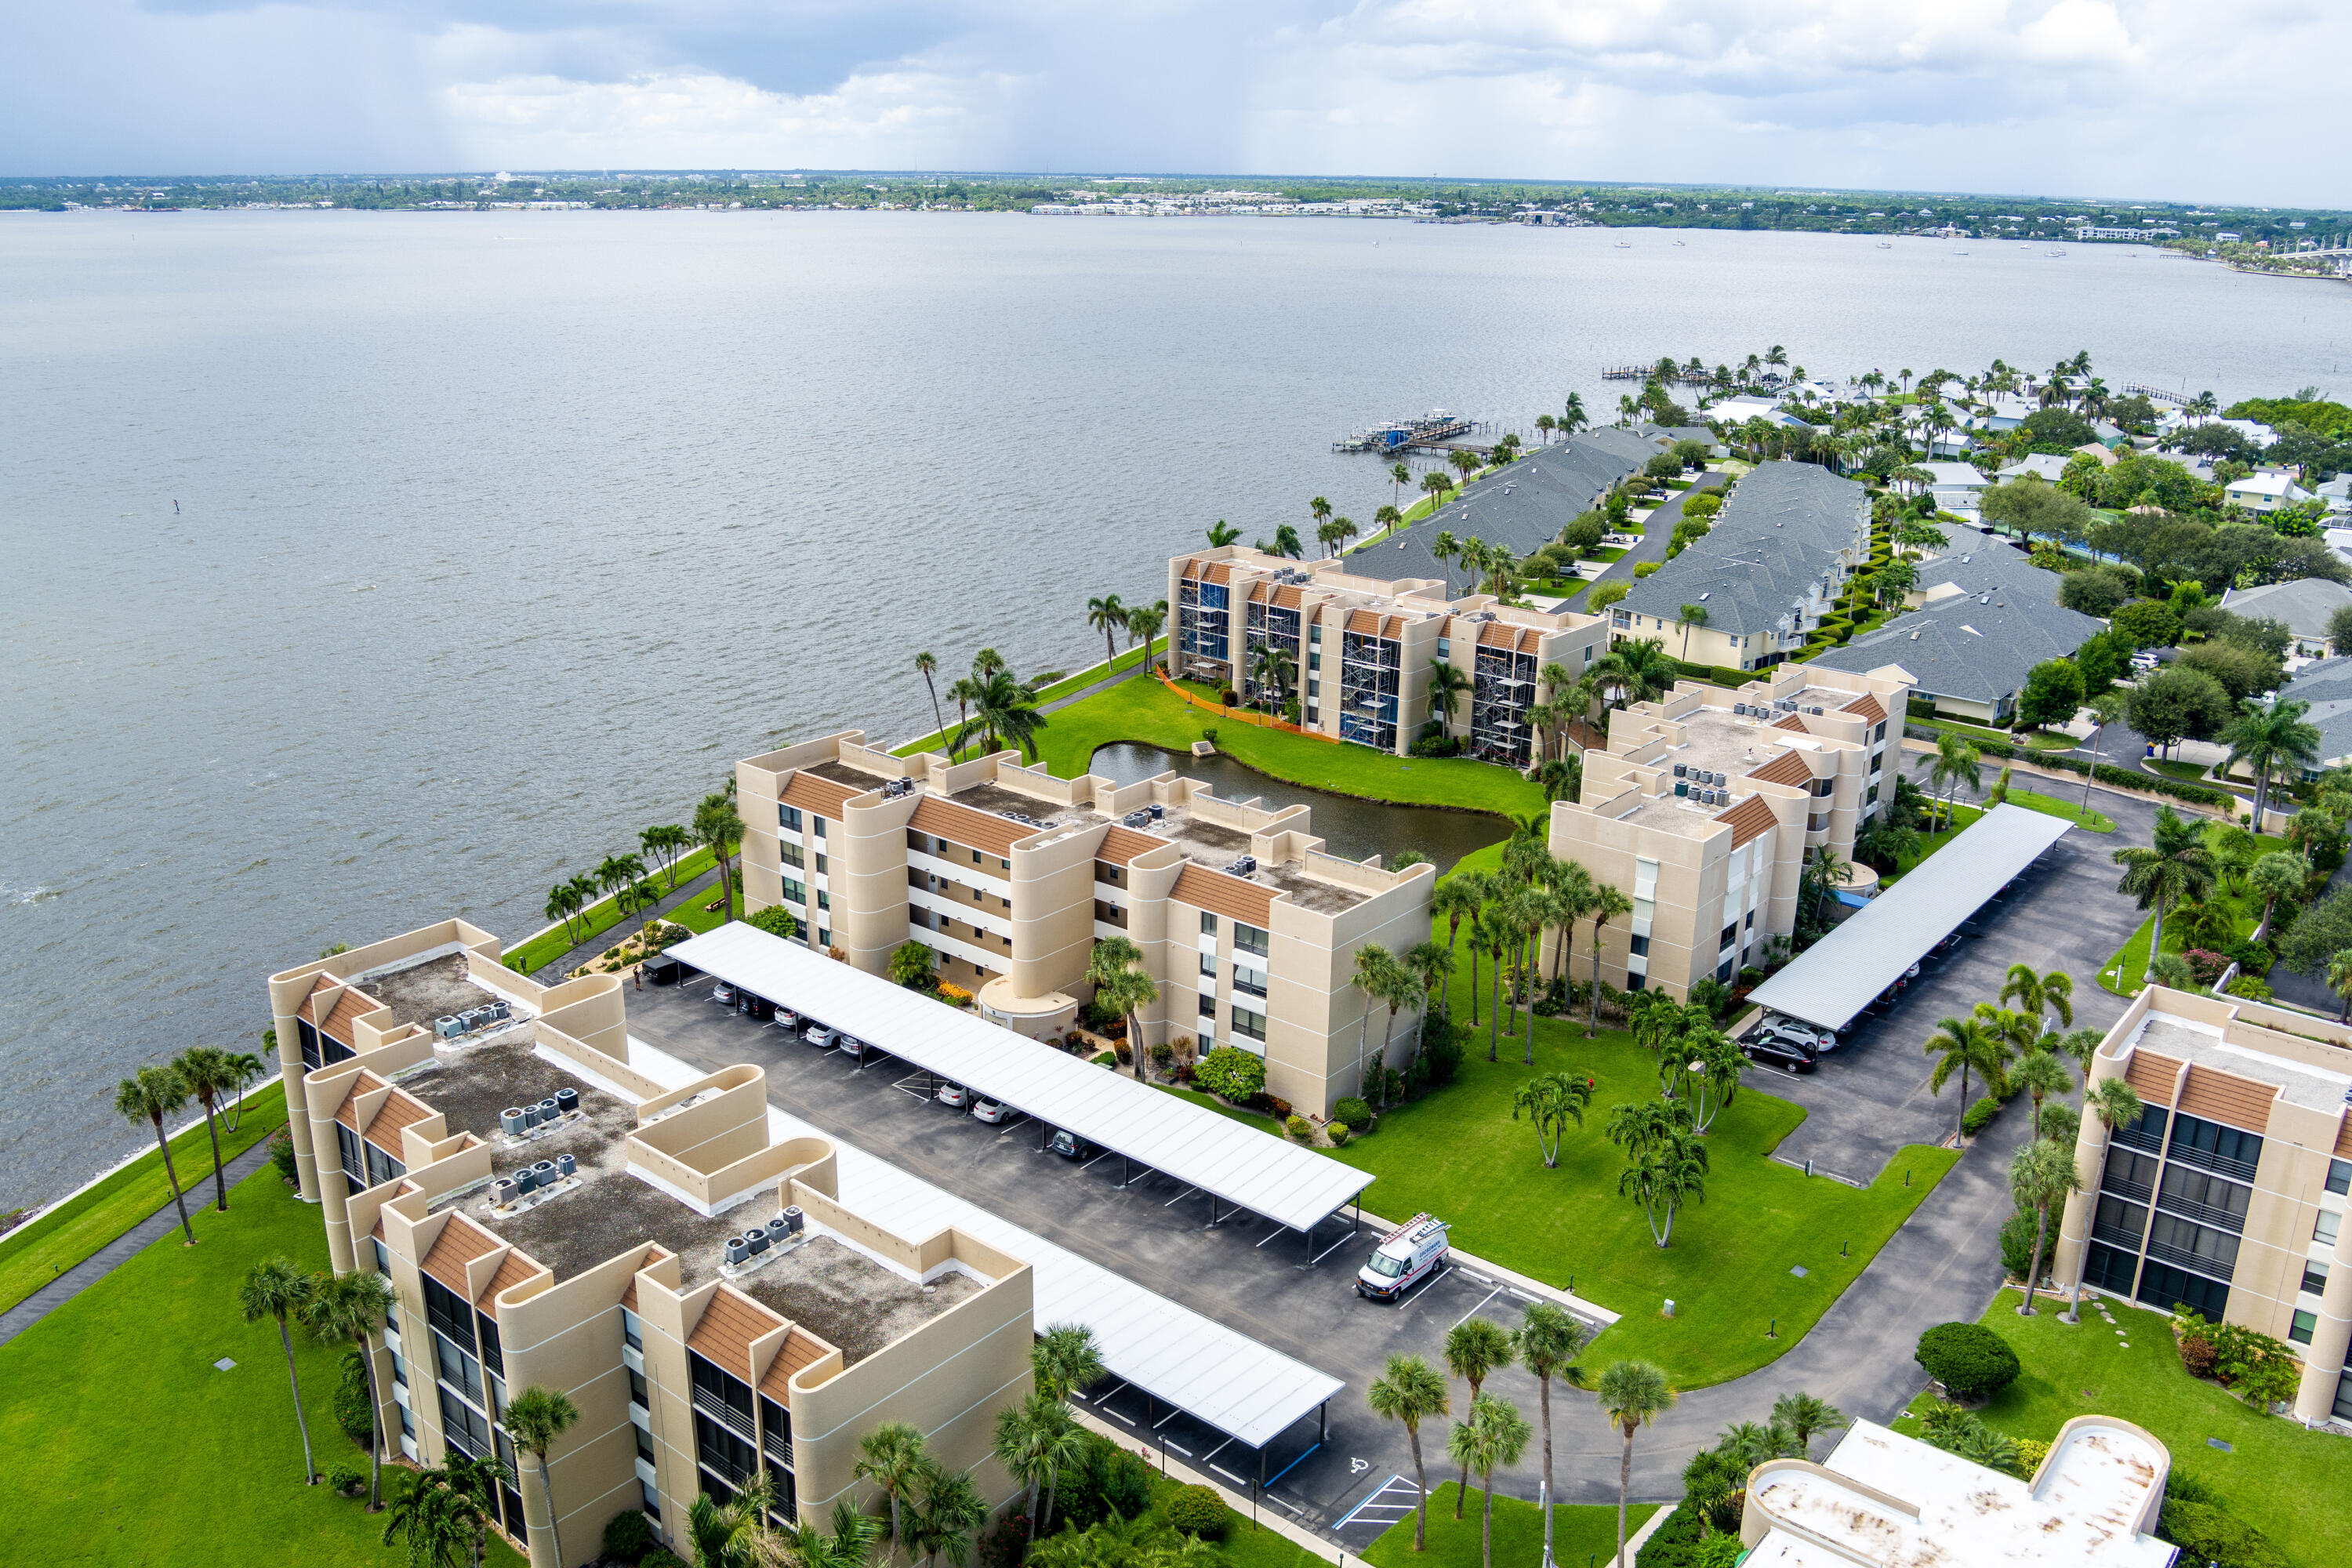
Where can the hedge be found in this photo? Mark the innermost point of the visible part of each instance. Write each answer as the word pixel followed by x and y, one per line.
pixel 2104 772
pixel 1969 1358
pixel 1671 1545
pixel 2206 1534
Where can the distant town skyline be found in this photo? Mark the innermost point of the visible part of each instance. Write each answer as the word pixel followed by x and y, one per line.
pixel 2134 99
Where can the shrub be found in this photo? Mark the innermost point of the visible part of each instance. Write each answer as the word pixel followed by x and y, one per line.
pixel 2206 1534
pixel 346 1478
pixel 1278 1105
pixel 1003 1545
pixel 1338 1132
pixel 2199 1356
pixel 1229 697
pixel 281 1157
pixel 1646 568
pixel 1162 1055
pixel 1672 1543
pixel 1198 1510
pixel 1436 746
pixel 2017 1246
pixel 2205 963
pixel 1718 1552
pixel 2031 1451
pixel 1230 1074
pixel 1353 1111
pixel 1105 1059
pixel 1978 1117
pixel 353 1412
pixel 2252 988
pixel 1298 1127
pixel 776 921
pixel 1969 1358
pixel 629 1536
pixel 661 1557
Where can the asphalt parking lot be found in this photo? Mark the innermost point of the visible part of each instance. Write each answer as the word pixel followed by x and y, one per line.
pixel 1246 1272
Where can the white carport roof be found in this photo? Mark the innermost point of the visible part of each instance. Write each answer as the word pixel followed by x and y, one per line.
pixel 1244 1389
pixel 1837 976
pixel 1253 1170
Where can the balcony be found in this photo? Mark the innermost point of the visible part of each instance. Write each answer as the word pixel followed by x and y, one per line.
pixel 2211 1267
pixel 726 1414
pixel 2205 1160
pixel 963 912
pixel 2203 1213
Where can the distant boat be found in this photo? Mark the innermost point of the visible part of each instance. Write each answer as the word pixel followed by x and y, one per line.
pixel 1678 242
pixel 1624 244
pixel 1883 245
pixel 1959 253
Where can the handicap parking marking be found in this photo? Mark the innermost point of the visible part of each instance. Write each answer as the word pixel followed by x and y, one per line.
pixel 1382 1506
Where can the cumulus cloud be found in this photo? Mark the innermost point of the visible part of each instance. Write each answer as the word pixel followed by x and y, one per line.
pixel 2095 96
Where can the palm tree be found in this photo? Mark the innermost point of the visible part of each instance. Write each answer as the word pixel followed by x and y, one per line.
pixel 276 1288
pixel 1321 510
pixel 209 1073
pixel 1387 519
pixel 2041 1175
pixel 1285 545
pixel 1272 664
pixel 1956 762
pixel 245 1066
pixel 1003 710
pixel 1409 1390
pixel 1403 992
pixel 1495 1433
pixel 2176 865
pixel 150 1096
pixel 1475 1349
pixel 2112 1103
pixel 1661 1174
pixel 1801 1416
pixel 584 895
pixel 1374 966
pixel 2339 979
pixel 618 871
pixel 1221 534
pixel 1548 1342
pixel 2272 740
pixel 808 1544
pixel 717 826
pixel 2041 1074
pixel 1446 549
pixel 1436 483
pixel 1609 903
pixel 561 903
pixel 1024 1434
pixel 1065 1360
pixel 1551 1101
pixel 1109 616
pixel 2277 875
pixel 1692 616
pixel 1572 417
pixel 1829 868
pixel 477 1482
pixel 2037 994
pixel 1965 1046
pixel 664 844
pixel 1066 1446
pixel 439 1522
pixel 1115 968
pixel 535 1418
pixel 1448 685
pixel 349 1310
pixel 892 1457
pixel 1632 1394
pixel 1505 928
pixel 926 664
pixel 1399 477
pixel 1544 422
pixel 1457 898
pixel 1637 670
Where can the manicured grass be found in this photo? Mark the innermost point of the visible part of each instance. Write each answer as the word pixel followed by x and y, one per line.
pixel 695 918
pixel 1958 817
pixel 600 917
pixel 2276 1476
pixel 1265 1124
pixel 33 1254
pixel 1060 688
pixel 125 1446
pixel 2050 805
pixel 1587 1530
pixel 2193 773
pixel 1144 711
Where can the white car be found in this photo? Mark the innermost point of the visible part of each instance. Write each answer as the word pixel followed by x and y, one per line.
pixel 1789 1028
pixel 786 1019
pixel 989 1111
pixel 851 1046
pixel 954 1095
pixel 722 992
pixel 821 1037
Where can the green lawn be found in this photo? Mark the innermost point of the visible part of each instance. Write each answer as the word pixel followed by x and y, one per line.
pixel 2058 806
pixel 126 1446
pixel 1265 1124
pixel 2193 773
pixel 33 1254
pixel 1060 688
pixel 1147 712
pixel 1960 816
pixel 1586 1530
pixel 2276 1477
pixel 695 918
pixel 599 918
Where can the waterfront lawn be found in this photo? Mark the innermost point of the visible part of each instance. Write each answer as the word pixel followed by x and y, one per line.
pixel 697 920
pixel 1578 1530
pixel 2274 1475
pixel 35 1253
pixel 1145 711
pixel 125 1446
pixel 2189 773
pixel 601 916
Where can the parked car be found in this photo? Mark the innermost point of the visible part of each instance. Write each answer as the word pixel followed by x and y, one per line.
pixel 1789 1055
pixel 992 1112
pixel 853 1047
pixel 723 993
pixel 1951 941
pixel 821 1037
pixel 1807 1034
pixel 1069 1146
pixel 1911 974
pixel 954 1095
pixel 786 1019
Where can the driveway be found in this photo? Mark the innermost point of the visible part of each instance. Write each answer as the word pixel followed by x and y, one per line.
pixel 1656 534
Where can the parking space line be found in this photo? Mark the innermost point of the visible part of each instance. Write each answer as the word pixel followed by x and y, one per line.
pixel 1480 1307
pixel 1231 1476
pixel 1096 1160
pixel 1270 1235
pixel 1180 1197
pixel 1179 1448
pixel 1414 1294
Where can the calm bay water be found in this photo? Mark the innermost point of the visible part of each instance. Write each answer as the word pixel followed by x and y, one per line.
pixel 497 537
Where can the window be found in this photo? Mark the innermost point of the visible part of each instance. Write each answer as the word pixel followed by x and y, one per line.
pixel 1004 865
pixel 2301 1330
pixel 825 938
pixel 633 1333
pixel 2344 1397
pixel 790 854
pixel 651 1498
pixel 1730 936
pixel 1750 921
pixel 1315 633
pixel 1208 1005
pixel 399 1369
pixel 383 1256
pixel 789 816
pixel 2118 1221
pixel 1635 981
pixel 2324 1228
pixel 821 866
pixel 2147 1133
pixel 446 1313
pixel 795 892
pixel 382 1167
pixel 1641 947
pixel 1209 964
pixel 492 1356
pixel 824 900
pixel 2209 1198
pixel 644 1444
pixel 1249 982
pixel 1208 923
pixel 2315 1276
pixel 466 1426
pixel 2215 1147
pixel 638 1393
pixel 2110 1268
pixel 457 1366
pixel 2165 1288
pixel 2192 1246
pixel 354 1161
pixel 1313 686
pixel 1249 1026
pixel 975 856
pixel 819 825
pixel 1249 939
pixel 1444 647
pixel 2339 1176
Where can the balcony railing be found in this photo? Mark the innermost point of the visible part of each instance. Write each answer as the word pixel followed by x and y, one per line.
pixel 2205 1160
pixel 778 1447
pixel 2115 1235
pixel 2125 1187
pixel 2203 1213
pixel 726 1414
pixel 2212 1268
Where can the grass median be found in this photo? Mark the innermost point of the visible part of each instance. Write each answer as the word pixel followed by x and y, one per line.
pixel 1578 1530
pixel 596 920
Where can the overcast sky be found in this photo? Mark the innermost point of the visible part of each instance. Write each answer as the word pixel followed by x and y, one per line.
pixel 2181 98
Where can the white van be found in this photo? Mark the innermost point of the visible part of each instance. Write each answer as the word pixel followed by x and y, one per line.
pixel 1405 1256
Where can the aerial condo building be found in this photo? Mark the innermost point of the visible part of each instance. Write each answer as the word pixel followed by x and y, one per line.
pixel 550 1216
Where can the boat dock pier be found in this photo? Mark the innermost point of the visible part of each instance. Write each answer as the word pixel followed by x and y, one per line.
pixel 1436 431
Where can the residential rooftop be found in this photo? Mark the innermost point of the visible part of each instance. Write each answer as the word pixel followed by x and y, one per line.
pixel 2209 1045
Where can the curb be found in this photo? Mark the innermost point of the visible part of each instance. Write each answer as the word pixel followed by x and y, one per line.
pixel 1177 1469
pixel 1590 1312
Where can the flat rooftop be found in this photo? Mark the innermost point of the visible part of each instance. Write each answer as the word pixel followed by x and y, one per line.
pixel 2314 1088
pixel 999 801
pixel 430 988
pixel 1671 812
pixel 842 774
pixel 1727 742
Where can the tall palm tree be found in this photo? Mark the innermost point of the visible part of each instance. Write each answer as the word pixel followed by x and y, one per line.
pixel 1320 509
pixel 1401 991
pixel 1113 967
pixel 562 903
pixel 152 1094
pixel 1495 1433
pixel 2277 875
pixel 1446 549
pixel 1543 423
pixel 1548 1342
pixel 717 827
pixel 926 664
pixel 1066 1359
pixel 1692 616
pixel 1386 519
pixel 476 1481
pixel 1285 545
pixel 535 1418
pixel 1632 1394
pixel 1400 476
pixel 2041 1074
pixel 1504 924
pixel 1271 667
pixel 1436 483
pixel 245 1067
pixel 349 1310
pixel 1024 1434
pixel 1221 534
pixel 1802 1415
pixel 1962 1046
pixel 2041 1175
pixel 2112 1103
pixel 945 1509
pixel 274 1288
pixel 1109 616
pixel 1409 1390
pixel 1572 417
pixel 1374 966
pixel 1664 1172
pixel 1957 761
pixel 1003 710
pixel 1457 898
pixel 2272 739
pixel 892 1457
pixel 1637 669
pixel 2339 979
pixel 1432 968
pixel 666 843
pixel 1475 1349
pixel 438 1521
pixel 1448 685
pixel 2038 994
pixel 2174 866
pixel 209 1073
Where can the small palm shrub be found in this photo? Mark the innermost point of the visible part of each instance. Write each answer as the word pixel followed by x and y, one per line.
pixel 346 1478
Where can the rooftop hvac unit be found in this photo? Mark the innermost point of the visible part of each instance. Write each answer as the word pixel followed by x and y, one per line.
pixel 793 1219
pixel 1740 708
pixel 529 1117
pixel 565 1165
pixel 543 1173
pixel 513 1121
pixel 1136 818
pixel 448 1028
pixel 547 1109
pixel 526 1182
pixel 503 1191
pixel 567 1100
pixel 1682 770
pixel 757 1240
pixel 500 1010
pixel 1681 788
pixel 893 788
pixel 737 1250
pixel 1815 710
pixel 1157 812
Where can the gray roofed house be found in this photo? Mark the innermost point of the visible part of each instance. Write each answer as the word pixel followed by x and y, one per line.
pixel 2327 688
pixel 1969 655
pixel 1665 436
pixel 1975 562
pixel 1522 507
pixel 2304 605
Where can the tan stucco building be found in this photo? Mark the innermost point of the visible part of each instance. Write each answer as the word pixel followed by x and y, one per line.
pixel 1362 648
pixel 550 1216
pixel 2228 1195
pixel 1705 805
pixel 1010 875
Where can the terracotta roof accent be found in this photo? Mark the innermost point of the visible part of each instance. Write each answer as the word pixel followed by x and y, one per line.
pixel 306 1011
pixel 629 1296
pixel 1220 894
pixel 1750 819
pixel 2226 1097
pixel 730 1323
pixel 378 1231
pixel 1288 596
pixel 1363 622
pixel 800 1349
pixel 402 1110
pixel 460 1242
pixel 2152 1075
pixel 968 825
pixel 1790 722
pixel 362 1082
pixel 1867 706
pixel 353 1003
pixel 1122 845
pixel 513 1270
pixel 822 796
pixel 1494 633
pixel 2344 1137
pixel 1788 768
pixel 1217 571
